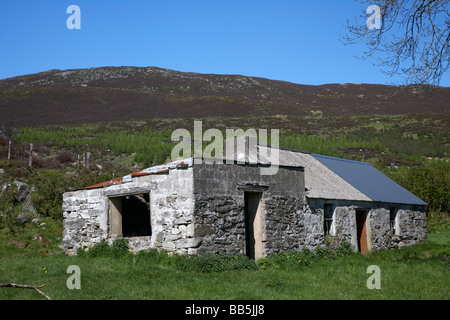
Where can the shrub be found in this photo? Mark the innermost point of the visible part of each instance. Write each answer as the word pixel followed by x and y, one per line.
pixel 305 257
pixel 287 259
pixel 220 263
pixel 119 248
pixel 153 256
pixel 102 249
pixel 8 209
pixel 66 157
pixel 430 182
pixel 344 249
pixel 204 264
pixel 47 198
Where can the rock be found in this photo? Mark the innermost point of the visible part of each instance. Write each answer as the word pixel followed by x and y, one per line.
pixel 223 209
pixel 42 239
pixel 21 219
pixel 36 221
pixel 2 171
pixel 204 230
pixel 23 192
pixel 74 224
pixel 30 208
pixel 5 187
pixel 20 245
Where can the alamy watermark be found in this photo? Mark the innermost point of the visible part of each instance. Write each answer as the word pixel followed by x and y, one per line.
pixel 74 20
pixel 374 20
pixel 374 280
pixel 73 281
pixel 240 147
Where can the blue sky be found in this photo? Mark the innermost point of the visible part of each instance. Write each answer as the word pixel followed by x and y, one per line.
pixel 290 40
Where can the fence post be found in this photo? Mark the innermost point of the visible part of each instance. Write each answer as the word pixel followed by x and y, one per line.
pixel 30 159
pixel 9 150
pixel 88 155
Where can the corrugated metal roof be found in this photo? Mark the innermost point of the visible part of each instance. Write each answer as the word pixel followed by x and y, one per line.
pixel 325 177
pixel 369 180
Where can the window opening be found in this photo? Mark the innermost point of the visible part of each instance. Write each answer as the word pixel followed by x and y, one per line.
pixel 327 218
pixel 130 216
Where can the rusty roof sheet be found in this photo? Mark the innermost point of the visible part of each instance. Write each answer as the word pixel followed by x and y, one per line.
pixel 144 172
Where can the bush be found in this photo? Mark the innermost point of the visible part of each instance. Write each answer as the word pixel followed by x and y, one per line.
pixel 8 210
pixel 305 257
pixel 153 256
pixel 47 198
pixel 102 249
pixel 119 248
pixel 344 249
pixel 430 182
pixel 287 259
pixel 204 264
pixel 66 157
pixel 220 263
pixel 50 185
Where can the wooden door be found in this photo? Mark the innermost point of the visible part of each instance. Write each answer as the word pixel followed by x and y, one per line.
pixel 361 231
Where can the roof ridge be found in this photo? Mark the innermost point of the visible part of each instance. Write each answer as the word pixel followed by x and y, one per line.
pixel 341 159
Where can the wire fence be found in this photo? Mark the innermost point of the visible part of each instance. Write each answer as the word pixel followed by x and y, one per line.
pixel 29 154
pixel 12 150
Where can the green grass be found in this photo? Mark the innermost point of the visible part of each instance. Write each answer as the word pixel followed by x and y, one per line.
pixel 418 272
pixel 148 142
pixel 148 146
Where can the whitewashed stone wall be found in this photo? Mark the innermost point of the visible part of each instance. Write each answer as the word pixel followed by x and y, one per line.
pixel 87 221
pixel 198 210
pixel 410 225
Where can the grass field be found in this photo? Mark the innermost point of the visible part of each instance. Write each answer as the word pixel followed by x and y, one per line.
pixel 418 273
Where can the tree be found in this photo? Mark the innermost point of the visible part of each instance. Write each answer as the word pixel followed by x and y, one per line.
pixel 406 37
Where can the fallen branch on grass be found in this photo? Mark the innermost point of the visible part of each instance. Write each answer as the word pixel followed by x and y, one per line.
pixel 13 285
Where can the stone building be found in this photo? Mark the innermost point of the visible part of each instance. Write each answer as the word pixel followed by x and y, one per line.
pixel 225 207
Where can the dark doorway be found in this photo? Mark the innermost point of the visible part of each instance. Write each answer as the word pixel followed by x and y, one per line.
pixel 253 225
pixel 361 215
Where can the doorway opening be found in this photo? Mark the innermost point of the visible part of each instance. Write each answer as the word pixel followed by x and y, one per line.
pixel 361 215
pixel 254 225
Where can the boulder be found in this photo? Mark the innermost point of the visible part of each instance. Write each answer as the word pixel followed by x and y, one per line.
pixel 21 219
pixel 23 192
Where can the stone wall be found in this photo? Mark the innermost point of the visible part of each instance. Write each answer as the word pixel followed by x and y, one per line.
pixel 85 221
pixel 409 226
pixel 220 208
pixel 201 209
pixel 87 213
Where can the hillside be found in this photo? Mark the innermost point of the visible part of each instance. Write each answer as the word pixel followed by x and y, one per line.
pixel 124 117
pixel 124 93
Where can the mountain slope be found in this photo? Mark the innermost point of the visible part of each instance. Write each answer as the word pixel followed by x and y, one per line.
pixel 123 93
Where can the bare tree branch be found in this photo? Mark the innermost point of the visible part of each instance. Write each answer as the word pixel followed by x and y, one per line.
pixel 412 40
pixel 26 286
